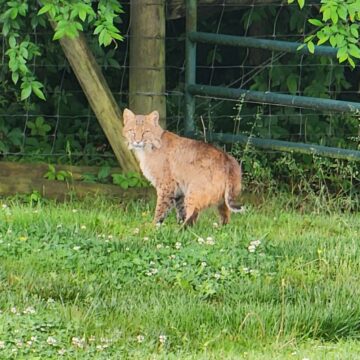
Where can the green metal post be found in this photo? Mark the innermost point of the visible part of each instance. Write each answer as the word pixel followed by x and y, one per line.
pixel 190 65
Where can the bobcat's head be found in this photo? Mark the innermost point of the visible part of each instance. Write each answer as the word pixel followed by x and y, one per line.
pixel 142 131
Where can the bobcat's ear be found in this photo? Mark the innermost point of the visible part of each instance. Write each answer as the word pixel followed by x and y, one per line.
pixel 154 118
pixel 128 115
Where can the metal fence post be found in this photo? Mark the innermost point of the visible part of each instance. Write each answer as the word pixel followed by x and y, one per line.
pixel 190 65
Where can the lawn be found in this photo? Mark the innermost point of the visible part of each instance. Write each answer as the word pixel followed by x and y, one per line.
pixel 96 280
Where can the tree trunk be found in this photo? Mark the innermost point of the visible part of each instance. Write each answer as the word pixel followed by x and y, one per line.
pixel 147 57
pixel 100 98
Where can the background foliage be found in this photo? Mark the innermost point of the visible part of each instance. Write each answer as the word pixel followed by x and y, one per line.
pixel 63 129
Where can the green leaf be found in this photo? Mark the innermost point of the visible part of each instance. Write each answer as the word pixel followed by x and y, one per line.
pixel 15 77
pixel 342 12
pixel 26 92
pixel 12 41
pixel 334 17
pixel 354 51
pixel 82 14
pixel 315 22
pixel 45 9
pixel 38 92
pixel 59 34
pixel 104 172
pixel 291 83
pixel 311 47
pixel 323 40
pixel 354 30
pixel 351 62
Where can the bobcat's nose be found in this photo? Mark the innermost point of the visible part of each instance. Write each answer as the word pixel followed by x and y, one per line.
pixel 138 144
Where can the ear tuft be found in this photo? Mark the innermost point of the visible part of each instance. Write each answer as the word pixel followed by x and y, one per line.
pixel 154 117
pixel 128 115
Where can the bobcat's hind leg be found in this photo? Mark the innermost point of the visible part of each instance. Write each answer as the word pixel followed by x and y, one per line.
pixel 180 208
pixel 164 203
pixel 225 213
pixel 191 211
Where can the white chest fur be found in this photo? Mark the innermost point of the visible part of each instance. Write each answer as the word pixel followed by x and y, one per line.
pixel 144 166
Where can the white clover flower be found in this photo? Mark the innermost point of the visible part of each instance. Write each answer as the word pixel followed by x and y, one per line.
pixel 80 343
pixel 74 210
pixel 217 276
pixel 33 338
pixel 140 338
pixel 251 248
pixel 154 271
pixel 159 246
pixel 162 339
pixel 76 248
pixel 19 343
pixel 127 249
pixel 51 341
pixel 50 300
pixel 136 231
pixel 184 263
pixel 29 310
pixel 2 344
pixel 14 310
pixel 4 206
pixel 203 264
pixel 61 352
pixel 146 238
pixel 100 347
pixel 152 263
pixel 59 226
pixel 215 225
pixel 201 240
pixel 210 241
pixel 110 237
pixel 178 245
pixel 29 343
pixel 172 257
pixel 83 227
pixel 255 242
pixel 246 270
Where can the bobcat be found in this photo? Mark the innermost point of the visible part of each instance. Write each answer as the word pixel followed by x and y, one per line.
pixel 189 175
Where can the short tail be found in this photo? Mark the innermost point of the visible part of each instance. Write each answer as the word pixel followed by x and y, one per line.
pixel 233 187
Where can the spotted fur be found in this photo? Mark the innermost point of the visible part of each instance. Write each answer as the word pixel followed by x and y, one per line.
pixel 188 175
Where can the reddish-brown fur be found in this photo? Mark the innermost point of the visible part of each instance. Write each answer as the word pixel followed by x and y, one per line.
pixel 189 175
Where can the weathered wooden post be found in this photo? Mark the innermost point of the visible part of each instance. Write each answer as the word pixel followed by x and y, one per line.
pixel 99 96
pixel 147 57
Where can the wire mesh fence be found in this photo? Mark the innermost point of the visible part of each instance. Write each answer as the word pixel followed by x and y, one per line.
pixel 64 129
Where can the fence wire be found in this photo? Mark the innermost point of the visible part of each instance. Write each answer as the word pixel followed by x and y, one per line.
pixel 73 134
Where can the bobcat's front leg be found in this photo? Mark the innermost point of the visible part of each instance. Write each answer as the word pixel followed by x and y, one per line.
pixel 164 203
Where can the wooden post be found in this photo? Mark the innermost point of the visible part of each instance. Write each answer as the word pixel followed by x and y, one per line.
pixel 147 57
pixel 99 96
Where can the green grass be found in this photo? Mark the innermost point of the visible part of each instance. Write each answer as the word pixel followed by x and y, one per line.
pixel 96 280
